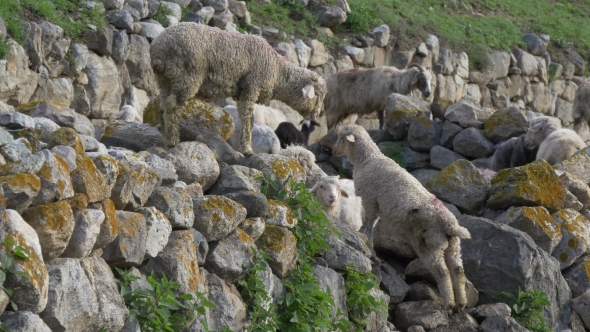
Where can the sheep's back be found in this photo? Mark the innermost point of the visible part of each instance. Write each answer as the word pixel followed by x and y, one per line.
pixel 560 145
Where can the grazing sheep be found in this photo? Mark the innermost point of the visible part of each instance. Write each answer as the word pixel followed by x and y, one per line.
pixel 340 202
pixel 269 116
pixel 581 305
pixel 192 59
pixel 512 153
pixel 128 113
pixel 264 140
pixel 307 160
pixel 288 134
pixel 363 91
pixel 421 221
pixel 555 144
pixel 581 110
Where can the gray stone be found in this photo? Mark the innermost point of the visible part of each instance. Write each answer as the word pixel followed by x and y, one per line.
pixel 140 5
pixel 201 246
pixel 120 19
pixel 18 82
pixel 89 143
pixel 133 136
pixel 331 16
pixel 332 282
pixel 506 124
pixel 424 175
pixel 108 166
pixel 16 150
pixel 228 257
pixel 229 309
pixel 564 111
pixel 441 157
pixel 237 178
pixel 5 137
pixel 86 230
pixel 393 283
pixel 340 254
pixel 164 168
pixel 448 61
pixel 354 239
pixel 16 120
pixel 129 247
pixel 427 314
pixel 255 203
pixel 423 291
pixel 424 133
pixel 284 169
pixel 578 61
pixel 68 154
pixel 30 164
pixel 150 30
pixel 138 64
pixel 254 227
pixel 490 310
pixel 575 229
pixel 120 46
pixel 24 321
pixel 577 165
pixel 218 5
pixel 400 110
pixel 464 113
pixel 19 190
pixel 471 142
pixel 71 301
pixel 279 214
pixel 158 230
pixel 535 45
pixel 64 117
pixel 135 184
pixel 526 62
pixel 460 322
pixel 501 324
pixel 433 46
pixel 281 245
pixel 176 205
pixel 101 97
pixel 194 162
pixel 449 131
pixel 99 41
pixel 217 216
pixel 577 276
pixel 401 59
pixel 381 35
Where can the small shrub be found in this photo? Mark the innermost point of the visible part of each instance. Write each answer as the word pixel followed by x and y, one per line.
pixel 527 308
pixel 161 14
pixel 4 49
pixel 362 18
pixel 359 301
pixel 479 57
pixel 7 261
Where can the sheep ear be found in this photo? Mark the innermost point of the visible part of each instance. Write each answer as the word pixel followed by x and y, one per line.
pixel 415 78
pixel 343 192
pixel 350 138
pixel 315 123
pixel 538 126
pixel 314 189
pixel 308 91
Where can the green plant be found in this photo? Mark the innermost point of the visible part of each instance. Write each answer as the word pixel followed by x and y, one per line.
pixel 527 308
pixel 7 261
pixel 393 150
pixel 362 17
pixel 159 308
pixel 359 300
pixel 4 49
pixel 261 309
pixel 161 14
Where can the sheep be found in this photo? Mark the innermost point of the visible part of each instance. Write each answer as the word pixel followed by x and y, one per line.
pixel 264 139
pixel 555 144
pixel 362 91
pixel 307 160
pixel 288 134
pixel 581 109
pixel 190 59
pixel 269 116
pixel 421 221
pixel 581 305
pixel 512 153
pixel 339 201
pixel 128 113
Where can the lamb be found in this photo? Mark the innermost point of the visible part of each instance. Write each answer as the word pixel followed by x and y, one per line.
pixel 340 202
pixel 555 144
pixel 269 116
pixel 512 153
pixel 264 140
pixel 581 109
pixel 421 221
pixel 307 160
pixel 190 59
pixel 288 134
pixel 128 113
pixel 581 305
pixel 363 91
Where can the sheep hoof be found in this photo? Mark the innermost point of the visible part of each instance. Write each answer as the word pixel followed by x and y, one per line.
pixel 248 153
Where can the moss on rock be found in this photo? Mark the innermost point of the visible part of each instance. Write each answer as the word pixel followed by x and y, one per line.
pixel 68 137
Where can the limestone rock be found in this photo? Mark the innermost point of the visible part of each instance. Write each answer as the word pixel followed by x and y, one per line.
pixel 17 81
pixel 341 254
pixel 20 190
pixel 56 183
pixel 66 137
pixel 63 116
pixel 441 157
pixel 499 323
pixel 134 186
pixel 332 283
pixel 281 245
pixel 226 258
pixel 256 203
pixel 129 247
pixel 424 133
pixel 217 216
pixel 577 165
pixel 158 228
pixel 254 227
pixel 399 111
pixel 536 222
pixel 229 308
pixel 237 178
pixel 86 230
pixel 109 229
pixel 505 124
pixel 283 169
pixel 30 164
pixel 88 180
pixel 24 321
pixel 131 135
pixel 472 142
pixel 577 276
pixel 280 214
pixel 54 224
pixel 164 168
pixel 194 162
pixel 108 166
pixel 176 205
pixel 575 241
pixel 201 245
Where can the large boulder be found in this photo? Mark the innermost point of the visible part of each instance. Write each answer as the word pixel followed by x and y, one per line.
pixel 131 135
pixel 217 216
pixel 229 256
pixel 400 110
pixel 282 169
pixel 54 224
pixel 473 143
pixel 194 162
pixel 129 247
pixel 505 124
pixel 424 133
pixel 281 245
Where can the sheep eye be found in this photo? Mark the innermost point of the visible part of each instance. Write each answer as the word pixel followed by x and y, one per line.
pixel 321 187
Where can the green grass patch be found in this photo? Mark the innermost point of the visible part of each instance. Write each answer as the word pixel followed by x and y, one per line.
pixel 285 15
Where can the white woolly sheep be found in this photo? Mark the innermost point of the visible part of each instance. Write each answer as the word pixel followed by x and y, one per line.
pixel 512 153
pixel 555 144
pixel 264 139
pixel 269 116
pixel 581 305
pixel 306 159
pixel 340 202
pixel 421 221
pixel 190 59
pixel 128 113
pixel 363 91
pixel 288 134
pixel 581 109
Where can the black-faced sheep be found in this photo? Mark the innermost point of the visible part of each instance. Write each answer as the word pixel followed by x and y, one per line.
pixel 555 143
pixel 264 139
pixel 512 153
pixel 306 159
pixel 192 59
pixel 581 110
pixel 422 222
pixel 339 200
pixel 581 305
pixel 363 91
pixel 288 134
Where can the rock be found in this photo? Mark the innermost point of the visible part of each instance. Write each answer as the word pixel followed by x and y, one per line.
pixel 287 50
pixel 86 230
pixel 577 60
pixel 499 323
pixel 280 214
pixel 164 168
pixel 19 190
pixel 535 45
pixel 472 142
pixel 132 136
pixel 18 82
pixel 424 133
pixel 394 283
pixel 574 243
pixel 577 276
pixel 54 224
pixel 178 262
pixel 460 322
pixel 16 120
pixel 24 321
pixel 331 16
pixel 238 8
pixel 68 154
pixel 175 204
pixel 404 156
pixel 78 202
pixel 228 256
pixel 217 216
pixel 526 62
pixel 505 124
pixel 577 165
pixel 423 291
pixel 461 184
pixel 356 54
pixel 254 227
pixel 109 229
pixel 535 184
pixel 303 53
pixel 16 150
pixel 281 245
pixel 101 97
pixel 120 46
pixel 89 143
pixel 129 247
pixel 502 249
pixel 536 222
pixel 255 203
pixel 229 309
pixel 332 283
pixel 465 113
pixel 108 167
pixel 88 180
pixel 158 230
pixel 237 178
pixel 340 254
pixel 201 246
pixel 71 301
pixel 424 313
pixel 441 157
pixel 194 162
pixel 380 35
pixel 283 169
pixel 489 310
pixel 29 164
pixel 319 56
pixel 400 110
pixel 134 186
pixel 120 19
pixel 63 116
pixel 66 137
pixel 56 183
pixel 194 190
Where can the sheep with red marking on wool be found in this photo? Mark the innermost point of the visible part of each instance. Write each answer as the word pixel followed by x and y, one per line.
pixel 288 134
pixel 306 159
pixel 555 143
pixel 340 202
pixel 363 91
pixel 421 221
pixel 190 59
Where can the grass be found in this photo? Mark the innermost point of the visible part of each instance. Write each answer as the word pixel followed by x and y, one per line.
pixel 285 15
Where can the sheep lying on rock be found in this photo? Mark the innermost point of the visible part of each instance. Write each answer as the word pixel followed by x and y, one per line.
pixel 512 153
pixel 363 91
pixel 581 305
pixel 192 59
pixel 264 140
pixel 128 113
pixel 581 109
pixel 340 202
pixel 555 143
pixel 307 160
pixel 288 134
pixel 420 220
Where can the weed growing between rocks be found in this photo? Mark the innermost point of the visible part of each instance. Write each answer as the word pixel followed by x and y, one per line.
pixel 161 14
pixel 527 307
pixel 7 263
pixel 359 301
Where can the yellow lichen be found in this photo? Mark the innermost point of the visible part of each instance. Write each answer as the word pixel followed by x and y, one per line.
pixel 543 219
pixel 576 224
pixel 78 202
pixel 30 107
pixel 21 182
pixel 68 137
pixel 49 216
pixel 563 257
pixel 275 239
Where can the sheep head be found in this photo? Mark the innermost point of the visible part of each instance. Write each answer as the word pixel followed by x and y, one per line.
pixel 422 80
pixel 311 100
pixel 328 191
pixel 354 142
pixel 540 128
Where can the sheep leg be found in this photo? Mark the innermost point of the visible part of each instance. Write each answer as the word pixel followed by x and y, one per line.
pixel 246 112
pixel 435 261
pixel 371 210
pixel 171 106
pixel 455 265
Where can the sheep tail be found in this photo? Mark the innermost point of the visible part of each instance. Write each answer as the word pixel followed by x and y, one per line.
pixel 460 232
pixel 158 65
